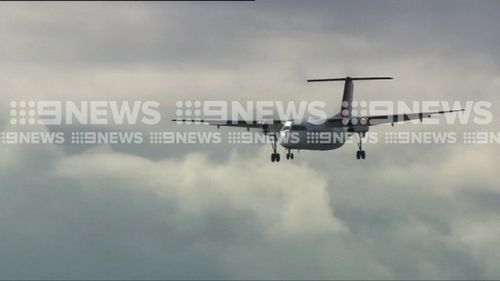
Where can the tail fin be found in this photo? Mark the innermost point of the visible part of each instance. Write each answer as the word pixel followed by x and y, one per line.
pixel 348 90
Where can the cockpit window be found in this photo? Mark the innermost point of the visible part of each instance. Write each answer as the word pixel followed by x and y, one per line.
pixel 298 128
pixel 286 128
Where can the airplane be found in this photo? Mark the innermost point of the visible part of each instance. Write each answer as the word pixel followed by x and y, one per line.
pixel 302 134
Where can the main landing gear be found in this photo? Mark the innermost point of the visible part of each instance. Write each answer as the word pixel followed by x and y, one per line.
pixel 360 154
pixel 275 156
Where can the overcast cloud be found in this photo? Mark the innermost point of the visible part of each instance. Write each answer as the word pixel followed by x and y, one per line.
pixel 225 211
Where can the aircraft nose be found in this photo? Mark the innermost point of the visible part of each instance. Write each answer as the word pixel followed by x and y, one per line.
pixel 284 139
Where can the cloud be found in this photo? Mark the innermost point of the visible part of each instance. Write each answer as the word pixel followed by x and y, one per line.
pixel 104 214
pixel 73 208
pixel 284 204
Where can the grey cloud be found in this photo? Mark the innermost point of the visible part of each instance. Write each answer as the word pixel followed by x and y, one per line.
pixel 103 214
pixel 229 34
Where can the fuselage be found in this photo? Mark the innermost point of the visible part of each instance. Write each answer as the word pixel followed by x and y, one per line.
pixel 308 136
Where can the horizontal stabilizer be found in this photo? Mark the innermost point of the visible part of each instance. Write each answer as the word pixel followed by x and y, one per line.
pixel 349 78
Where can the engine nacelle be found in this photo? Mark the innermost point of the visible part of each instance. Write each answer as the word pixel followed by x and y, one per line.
pixel 270 126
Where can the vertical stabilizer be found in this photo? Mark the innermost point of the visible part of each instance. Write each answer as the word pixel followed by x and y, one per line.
pixel 346 106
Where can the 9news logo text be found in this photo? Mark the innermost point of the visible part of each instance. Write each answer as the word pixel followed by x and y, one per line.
pixel 84 112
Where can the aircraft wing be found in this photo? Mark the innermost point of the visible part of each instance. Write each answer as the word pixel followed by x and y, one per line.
pixel 384 119
pixel 267 126
pixel 381 119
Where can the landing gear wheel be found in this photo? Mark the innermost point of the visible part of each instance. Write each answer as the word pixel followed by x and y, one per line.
pixel 287 156
pixel 275 157
pixel 361 154
pixel 291 155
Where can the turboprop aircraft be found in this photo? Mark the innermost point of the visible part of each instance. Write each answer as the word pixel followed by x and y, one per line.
pixel 301 135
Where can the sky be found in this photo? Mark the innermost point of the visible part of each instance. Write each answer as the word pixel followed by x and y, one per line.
pixel 427 211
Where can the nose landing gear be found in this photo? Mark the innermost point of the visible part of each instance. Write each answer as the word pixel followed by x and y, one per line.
pixel 289 155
